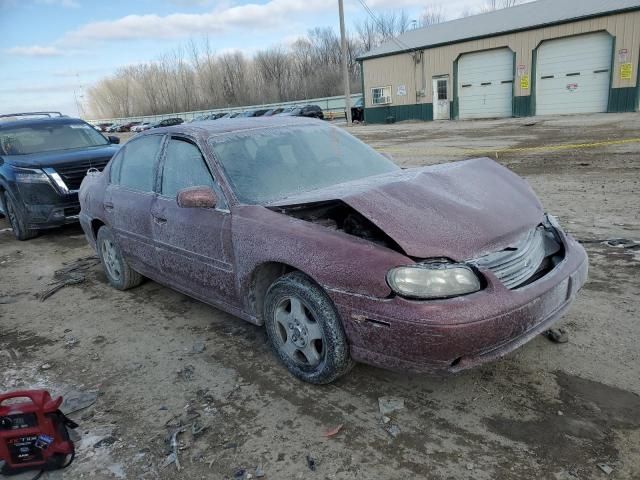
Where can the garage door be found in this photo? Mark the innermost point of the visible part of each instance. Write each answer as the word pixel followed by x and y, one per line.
pixel 485 84
pixel 572 74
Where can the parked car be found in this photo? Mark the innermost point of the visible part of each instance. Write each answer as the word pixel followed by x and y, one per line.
pixel 43 159
pixel 168 122
pixel 126 127
pixel 341 254
pixel 357 111
pixel 141 127
pixel 103 126
pixel 310 111
pixel 273 111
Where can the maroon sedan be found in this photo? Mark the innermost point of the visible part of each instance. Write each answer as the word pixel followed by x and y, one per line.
pixel 296 225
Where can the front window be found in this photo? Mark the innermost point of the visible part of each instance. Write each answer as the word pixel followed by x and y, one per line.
pixel 271 164
pixel 49 137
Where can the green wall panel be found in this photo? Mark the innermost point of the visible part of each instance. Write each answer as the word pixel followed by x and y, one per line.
pixel 623 99
pixel 523 106
pixel 399 113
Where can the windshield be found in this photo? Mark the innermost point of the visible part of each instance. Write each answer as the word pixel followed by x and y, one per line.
pixel 270 164
pixel 49 137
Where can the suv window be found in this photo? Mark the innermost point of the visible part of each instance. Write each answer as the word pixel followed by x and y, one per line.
pixel 184 167
pixel 134 167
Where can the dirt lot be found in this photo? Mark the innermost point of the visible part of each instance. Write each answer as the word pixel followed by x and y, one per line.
pixel 546 411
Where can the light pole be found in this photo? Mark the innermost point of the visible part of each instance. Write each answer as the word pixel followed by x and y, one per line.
pixel 345 69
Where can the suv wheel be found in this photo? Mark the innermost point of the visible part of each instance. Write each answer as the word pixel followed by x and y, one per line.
pixel 305 330
pixel 16 220
pixel 116 268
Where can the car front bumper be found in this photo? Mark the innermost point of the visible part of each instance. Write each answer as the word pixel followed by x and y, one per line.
pixel 50 210
pixel 447 336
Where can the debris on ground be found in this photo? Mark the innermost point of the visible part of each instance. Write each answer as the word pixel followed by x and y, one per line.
pixel 259 472
pixel 198 347
pixel 45 366
pixel 312 463
pixel 198 429
pixel 605 468
pixel 70 341
pixel 614 242
pixel 333 431
pixel 557 335
pixel 389 405
pixel 186 373
pixel 72 274
pixel 105 442
pixel 173 456
pixel 393 430
pixel 75 401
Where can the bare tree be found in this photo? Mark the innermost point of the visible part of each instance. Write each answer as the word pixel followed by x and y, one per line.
pixel 431 15
pixel 493 5
pixel 194 77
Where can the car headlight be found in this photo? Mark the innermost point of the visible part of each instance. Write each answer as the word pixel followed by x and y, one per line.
pixel 28 175
pixel 433 280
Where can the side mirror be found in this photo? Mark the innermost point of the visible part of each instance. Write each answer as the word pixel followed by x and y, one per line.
pixel 197 197
pixel 113 139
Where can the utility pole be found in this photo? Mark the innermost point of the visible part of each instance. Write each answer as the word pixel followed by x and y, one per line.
pixel 345 68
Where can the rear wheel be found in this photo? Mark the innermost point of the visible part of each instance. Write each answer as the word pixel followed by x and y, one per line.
pixel 305 330
pixel 18 224
pixel 116 268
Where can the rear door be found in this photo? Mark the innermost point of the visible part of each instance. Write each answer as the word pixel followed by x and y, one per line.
pixel 193 245
pixel 129 198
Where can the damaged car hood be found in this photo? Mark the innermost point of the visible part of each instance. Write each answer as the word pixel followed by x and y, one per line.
pixel 459 210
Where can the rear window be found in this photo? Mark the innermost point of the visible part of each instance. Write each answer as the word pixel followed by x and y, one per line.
pixel 49 137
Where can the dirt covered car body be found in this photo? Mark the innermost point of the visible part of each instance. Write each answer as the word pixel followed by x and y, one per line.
pixel 344 256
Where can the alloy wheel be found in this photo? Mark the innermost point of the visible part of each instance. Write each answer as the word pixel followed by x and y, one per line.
pixel 299 333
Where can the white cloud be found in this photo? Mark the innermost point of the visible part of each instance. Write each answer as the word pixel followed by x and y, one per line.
pixel 275 13
pixel 34 51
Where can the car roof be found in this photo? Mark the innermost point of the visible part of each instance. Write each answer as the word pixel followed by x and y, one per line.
pixel 37 122
pixel 223 126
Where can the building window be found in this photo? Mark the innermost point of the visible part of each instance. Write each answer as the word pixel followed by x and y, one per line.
pixel 442 89
pixel 381 95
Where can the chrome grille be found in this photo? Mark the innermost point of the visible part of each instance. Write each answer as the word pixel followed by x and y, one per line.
pixel 73 173
pixel 518 263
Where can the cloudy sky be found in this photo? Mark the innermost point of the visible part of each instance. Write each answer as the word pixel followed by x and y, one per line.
pixel 51 50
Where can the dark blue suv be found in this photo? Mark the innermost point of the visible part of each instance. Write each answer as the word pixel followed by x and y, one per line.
pixel 43 158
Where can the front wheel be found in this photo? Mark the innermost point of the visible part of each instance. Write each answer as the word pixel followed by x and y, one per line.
pixel 305 330
pixel 116 268
pixel 18 224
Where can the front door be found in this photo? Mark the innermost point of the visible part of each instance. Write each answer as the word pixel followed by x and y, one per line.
pixel 441 98
pixel 129 197
pixel 193 245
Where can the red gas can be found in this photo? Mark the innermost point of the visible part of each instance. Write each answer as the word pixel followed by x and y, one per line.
pixel 33 432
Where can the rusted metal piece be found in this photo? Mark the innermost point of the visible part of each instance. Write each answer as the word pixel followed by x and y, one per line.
pixel 346 238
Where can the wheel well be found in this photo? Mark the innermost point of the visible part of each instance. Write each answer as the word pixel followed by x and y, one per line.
pixel 95 226
pixel 261 279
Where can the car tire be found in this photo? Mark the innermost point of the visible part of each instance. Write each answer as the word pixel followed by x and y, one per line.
pixel 18 225
pixel 118 272
pixel 305 330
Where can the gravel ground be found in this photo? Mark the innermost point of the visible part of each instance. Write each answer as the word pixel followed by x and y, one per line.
pixel 158 359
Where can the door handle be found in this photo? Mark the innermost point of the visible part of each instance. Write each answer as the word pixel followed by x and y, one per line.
pixel 108 206
pixel 159 220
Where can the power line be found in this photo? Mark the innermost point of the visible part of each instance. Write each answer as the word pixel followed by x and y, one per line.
pixel 397 41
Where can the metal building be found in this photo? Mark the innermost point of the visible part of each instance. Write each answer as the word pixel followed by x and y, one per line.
pixel 543 57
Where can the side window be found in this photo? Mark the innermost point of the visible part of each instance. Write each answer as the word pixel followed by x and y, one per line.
pixel 114 168
pixel 185 167
pixel 137 164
